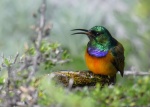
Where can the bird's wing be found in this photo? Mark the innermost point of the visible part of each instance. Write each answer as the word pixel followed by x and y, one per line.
pixel 118 53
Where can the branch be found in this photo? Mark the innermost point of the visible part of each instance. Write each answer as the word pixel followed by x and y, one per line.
pixel 136 73
pixel 37 43
pixel 16 57
pixel 86 78
pixel 81 78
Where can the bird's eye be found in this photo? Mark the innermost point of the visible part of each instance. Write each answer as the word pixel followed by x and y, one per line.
pixel 97 33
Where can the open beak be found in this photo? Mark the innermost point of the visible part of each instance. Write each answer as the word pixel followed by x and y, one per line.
pixel 84 31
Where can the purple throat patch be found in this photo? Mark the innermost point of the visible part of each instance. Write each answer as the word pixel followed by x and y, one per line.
pixel 96 52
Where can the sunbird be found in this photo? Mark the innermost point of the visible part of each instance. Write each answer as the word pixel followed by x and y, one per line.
pixel 104 55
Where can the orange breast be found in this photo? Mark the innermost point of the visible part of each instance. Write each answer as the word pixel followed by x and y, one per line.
pixel 101 65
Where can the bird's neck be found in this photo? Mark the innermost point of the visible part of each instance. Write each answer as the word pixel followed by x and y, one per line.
pixel 97 49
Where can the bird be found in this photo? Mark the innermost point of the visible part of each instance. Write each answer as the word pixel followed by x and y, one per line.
pixel 104 55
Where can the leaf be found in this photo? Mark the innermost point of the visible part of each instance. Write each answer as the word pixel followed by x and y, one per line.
pixel 6 62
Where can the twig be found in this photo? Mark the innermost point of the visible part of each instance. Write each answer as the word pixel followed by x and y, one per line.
pixel 37 43
pixel 16 57
pixel 136 73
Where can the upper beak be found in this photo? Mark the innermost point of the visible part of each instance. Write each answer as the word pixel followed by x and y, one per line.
pixel 86 32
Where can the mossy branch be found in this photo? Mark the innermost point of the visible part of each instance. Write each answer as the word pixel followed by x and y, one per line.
pixel 81 78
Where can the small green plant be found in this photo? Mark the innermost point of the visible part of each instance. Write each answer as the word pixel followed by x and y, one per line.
pixel 51 52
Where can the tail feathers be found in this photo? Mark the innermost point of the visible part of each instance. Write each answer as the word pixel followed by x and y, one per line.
pixel 121 72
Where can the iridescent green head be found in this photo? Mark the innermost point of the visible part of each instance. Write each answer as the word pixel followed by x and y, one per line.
pixel 97 33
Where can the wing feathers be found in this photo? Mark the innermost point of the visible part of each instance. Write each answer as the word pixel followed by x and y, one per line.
pixel 118 53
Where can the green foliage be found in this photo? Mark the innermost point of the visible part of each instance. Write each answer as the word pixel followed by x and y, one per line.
pixel 125 95
pixel 6 62
pixel 52 51
pixel 31 51
pixel 1 80
pixel 134 94
pixel 55 95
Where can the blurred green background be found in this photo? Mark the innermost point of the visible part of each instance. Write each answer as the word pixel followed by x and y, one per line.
pixel 127 20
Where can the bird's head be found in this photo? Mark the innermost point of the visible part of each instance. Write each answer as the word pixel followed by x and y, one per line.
pixel 96 33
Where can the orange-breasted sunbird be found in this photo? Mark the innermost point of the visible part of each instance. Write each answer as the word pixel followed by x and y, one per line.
pixel 104 55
